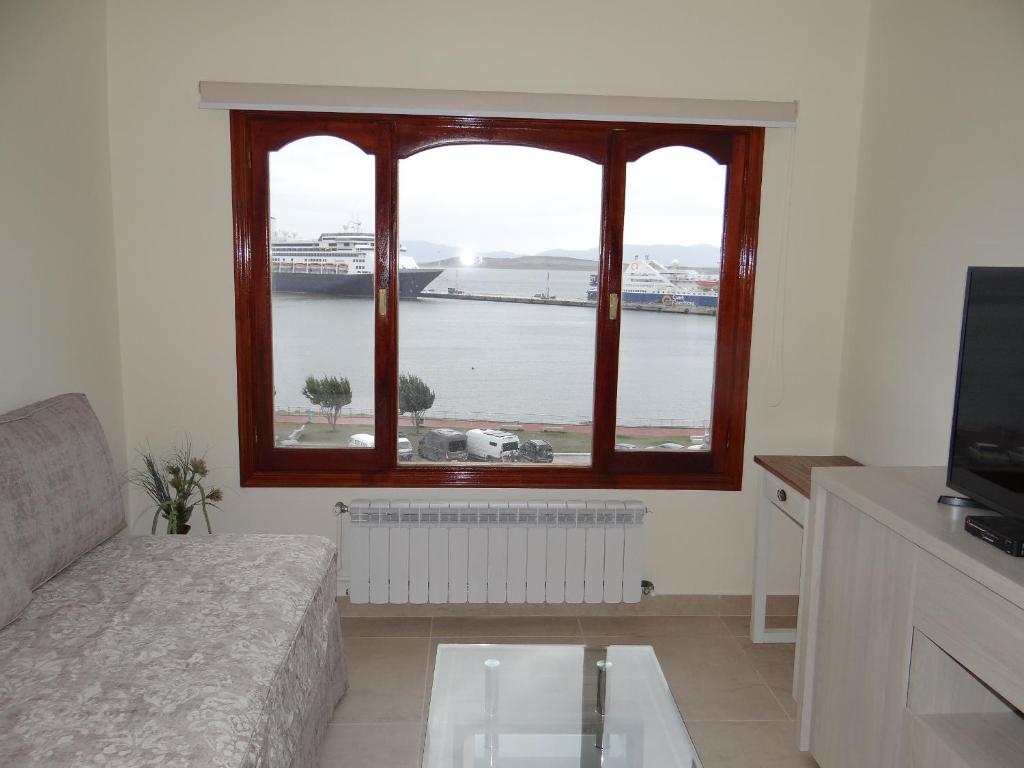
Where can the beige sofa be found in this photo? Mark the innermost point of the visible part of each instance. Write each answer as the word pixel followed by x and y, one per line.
pixel 120 651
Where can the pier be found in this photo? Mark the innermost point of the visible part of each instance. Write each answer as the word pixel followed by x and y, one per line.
pixel 675 309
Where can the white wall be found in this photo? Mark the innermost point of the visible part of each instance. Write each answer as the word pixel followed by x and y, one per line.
pixel 58 296
pixel 941 187
pixel 171 192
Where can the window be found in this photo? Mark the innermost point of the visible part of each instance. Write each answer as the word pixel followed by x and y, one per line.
pixel 427 301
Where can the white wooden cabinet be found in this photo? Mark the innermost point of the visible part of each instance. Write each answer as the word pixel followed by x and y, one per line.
pixel 911 632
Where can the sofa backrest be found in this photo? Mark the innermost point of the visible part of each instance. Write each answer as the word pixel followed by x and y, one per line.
pixel 58 492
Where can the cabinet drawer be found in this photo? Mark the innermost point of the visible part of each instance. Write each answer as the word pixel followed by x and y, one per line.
pixel 964 740
pixel 785 497
pixel 973 624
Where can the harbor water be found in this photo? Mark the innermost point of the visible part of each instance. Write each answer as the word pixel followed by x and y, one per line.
pixel 500 361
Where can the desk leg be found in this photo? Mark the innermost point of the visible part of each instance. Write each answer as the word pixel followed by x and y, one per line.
pixel 762 554
pixel 759 593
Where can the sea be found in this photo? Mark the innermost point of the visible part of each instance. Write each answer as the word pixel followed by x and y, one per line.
pixel 498 361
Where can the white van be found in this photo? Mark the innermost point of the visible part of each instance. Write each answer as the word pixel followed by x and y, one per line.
pixel 404 448
pixel 491 445
pixel 360 440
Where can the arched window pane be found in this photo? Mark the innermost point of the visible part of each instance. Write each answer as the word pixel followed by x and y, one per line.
pixel 322 286
pixel 670 288
pixel 504 241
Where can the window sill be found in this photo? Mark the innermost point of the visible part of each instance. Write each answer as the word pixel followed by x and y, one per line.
pixel 494 477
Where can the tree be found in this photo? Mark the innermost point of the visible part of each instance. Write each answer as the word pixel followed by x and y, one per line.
pixel 414 397
pixel 330 394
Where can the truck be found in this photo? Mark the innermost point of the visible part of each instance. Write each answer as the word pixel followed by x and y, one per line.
pixel 537 451
pixel 492 445
pixel 443 445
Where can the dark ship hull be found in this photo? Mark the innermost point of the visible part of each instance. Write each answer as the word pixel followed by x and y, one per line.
pixel 411 283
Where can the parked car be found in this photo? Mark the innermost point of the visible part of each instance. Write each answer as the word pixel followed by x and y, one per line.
pixel 665 447
pixel 364 440
pixel 443 445
pixel 404 448
pixel 360 440
pixel 492 445
pixel 538 451
pixel 625 447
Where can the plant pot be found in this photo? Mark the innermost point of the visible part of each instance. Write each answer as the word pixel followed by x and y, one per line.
pixel 183 529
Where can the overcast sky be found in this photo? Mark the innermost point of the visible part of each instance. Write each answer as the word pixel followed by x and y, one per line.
pixel 490 198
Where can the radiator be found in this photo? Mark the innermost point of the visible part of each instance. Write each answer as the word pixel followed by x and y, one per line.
pixel 511 552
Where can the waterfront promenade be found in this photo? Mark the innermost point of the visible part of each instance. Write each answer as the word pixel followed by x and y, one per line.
pixel 462 425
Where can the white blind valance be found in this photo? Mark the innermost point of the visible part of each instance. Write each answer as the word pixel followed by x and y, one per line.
pixel 414 101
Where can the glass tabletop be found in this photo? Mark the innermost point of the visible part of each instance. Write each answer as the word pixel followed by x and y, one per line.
pixel 553 706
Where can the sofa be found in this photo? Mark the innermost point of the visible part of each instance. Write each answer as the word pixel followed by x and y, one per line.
pixel 219 651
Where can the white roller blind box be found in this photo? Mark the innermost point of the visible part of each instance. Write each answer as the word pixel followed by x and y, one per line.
pixel 414 101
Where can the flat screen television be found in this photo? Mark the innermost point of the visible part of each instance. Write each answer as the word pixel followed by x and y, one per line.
pixel 986 452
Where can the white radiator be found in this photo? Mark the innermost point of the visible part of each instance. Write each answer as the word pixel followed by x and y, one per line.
pixel 510 552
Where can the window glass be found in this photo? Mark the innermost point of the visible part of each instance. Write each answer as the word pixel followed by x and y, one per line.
pixel 670 282
pixel 496 329
pixel 322 285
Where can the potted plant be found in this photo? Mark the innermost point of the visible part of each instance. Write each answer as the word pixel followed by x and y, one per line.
pixel 176 484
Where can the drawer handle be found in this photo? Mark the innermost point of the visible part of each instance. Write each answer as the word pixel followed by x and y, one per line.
pixel 780 494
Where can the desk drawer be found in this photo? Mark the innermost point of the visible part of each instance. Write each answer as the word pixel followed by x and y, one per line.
pixel 785 497
pixel 973 624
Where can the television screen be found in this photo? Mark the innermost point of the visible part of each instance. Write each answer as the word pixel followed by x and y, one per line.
pixel 986 455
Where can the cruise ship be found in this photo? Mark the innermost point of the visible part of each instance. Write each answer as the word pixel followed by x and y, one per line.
pixel 339 264
pixel 646 281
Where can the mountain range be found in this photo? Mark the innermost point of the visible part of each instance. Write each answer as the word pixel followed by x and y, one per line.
pixel 428 254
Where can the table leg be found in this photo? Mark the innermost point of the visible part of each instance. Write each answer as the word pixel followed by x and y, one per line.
pixel 759 593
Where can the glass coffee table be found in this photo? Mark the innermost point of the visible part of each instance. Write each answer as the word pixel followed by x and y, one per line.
pixel 553 706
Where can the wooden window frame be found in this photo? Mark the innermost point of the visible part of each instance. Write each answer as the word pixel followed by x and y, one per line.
pixel 390 138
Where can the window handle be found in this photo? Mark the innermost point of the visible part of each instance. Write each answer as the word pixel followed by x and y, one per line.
pixel 613 306
pixel 383 302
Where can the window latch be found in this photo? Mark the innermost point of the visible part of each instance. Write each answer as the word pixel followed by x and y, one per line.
pixel 383 302
pixel 613 306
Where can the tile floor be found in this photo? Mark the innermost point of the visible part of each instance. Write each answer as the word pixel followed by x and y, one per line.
pixel 734 696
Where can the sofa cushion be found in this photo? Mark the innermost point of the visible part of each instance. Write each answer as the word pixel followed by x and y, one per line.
pixel 14 590
pixel 175 651
pixel 58 491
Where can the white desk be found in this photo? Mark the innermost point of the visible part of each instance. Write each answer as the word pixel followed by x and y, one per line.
pixel 784 485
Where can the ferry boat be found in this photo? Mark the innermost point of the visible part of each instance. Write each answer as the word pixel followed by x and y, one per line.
pixel 645 281
pixel 339 264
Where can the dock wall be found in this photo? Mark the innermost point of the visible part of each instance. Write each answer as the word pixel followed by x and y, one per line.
pixel 671 309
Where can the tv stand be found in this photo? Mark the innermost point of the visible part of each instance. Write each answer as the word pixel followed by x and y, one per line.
pixel 960 501
pixel 909 639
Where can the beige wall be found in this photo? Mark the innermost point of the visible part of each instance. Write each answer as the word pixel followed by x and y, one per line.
pixel 938 186
pixel 58 296
pixel 941 187
pixel 171 195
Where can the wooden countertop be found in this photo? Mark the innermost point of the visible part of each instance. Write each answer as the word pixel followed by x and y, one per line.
pixel 796 470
